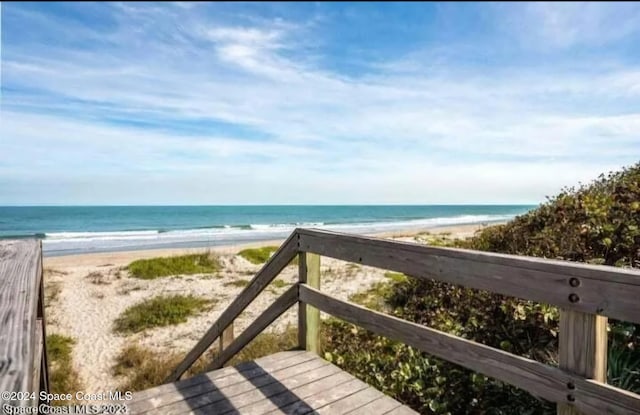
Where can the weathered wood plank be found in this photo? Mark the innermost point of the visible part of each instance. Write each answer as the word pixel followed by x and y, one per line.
pixel 540 379
pixel 198 385
pixel 279 396
pixel 379 406
pixel 587 288
pixel 275 310
pixel 213 394
pixel 234 397
pixel 38 342
pixel 582 349
pixel 281 359
pixel 351 402
pixel 20 278
pixel 226 337
pixel 298 400
pixel 325 397
pixel 309 316
pixel 282 385
pixel 269 271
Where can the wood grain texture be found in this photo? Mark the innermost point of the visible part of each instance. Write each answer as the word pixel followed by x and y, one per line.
pixel 220 384
pixel 270 362
pixel 20 279
pixel 275 310
pixel 37 358
pixel 539 379
pixel 226 337
pixel 235 397
pixel 602 290
pixel 309 316
pixel 285 383
pixel 582 350
pixel 269 271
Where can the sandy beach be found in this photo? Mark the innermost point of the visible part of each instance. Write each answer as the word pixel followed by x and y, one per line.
pixel 86 293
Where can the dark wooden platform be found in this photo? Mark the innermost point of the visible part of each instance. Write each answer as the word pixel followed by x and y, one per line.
pixel 295 382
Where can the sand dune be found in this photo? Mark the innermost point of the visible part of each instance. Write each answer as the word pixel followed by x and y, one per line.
pixel 93 289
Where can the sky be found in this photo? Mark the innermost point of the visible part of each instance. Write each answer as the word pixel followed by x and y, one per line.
pixel 314 103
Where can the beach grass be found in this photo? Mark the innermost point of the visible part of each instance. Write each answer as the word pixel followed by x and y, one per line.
pixel 237 283
pixel 261 255
pixel 62 377
pixel 160 311
pixel 174 265
pixel 258 255
pixel 374 297
pixel 279 283
pixel 144 368
pixel 395 276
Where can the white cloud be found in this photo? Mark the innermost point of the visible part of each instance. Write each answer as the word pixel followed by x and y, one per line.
pixel 565 24
pixel 373 138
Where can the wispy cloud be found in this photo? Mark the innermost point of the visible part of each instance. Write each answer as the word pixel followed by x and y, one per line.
pixel 178 95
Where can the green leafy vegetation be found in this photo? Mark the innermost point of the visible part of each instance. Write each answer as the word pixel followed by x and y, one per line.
pixel 63 378
pixel 595 223
pixel 160 311
pixel 261 255
pixel 152 268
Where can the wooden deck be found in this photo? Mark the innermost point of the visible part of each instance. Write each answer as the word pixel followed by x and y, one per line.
pixel 23 364
pixel 296 382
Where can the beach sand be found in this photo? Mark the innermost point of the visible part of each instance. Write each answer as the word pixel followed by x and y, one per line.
pixel 86 293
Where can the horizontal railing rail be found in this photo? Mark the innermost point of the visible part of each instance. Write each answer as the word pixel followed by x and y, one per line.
pixel 586 294
pixel 595 289
pixel 539 379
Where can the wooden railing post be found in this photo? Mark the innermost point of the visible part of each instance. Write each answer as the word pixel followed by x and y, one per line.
pixel 582 350
pixel 308 316
pixel 226 338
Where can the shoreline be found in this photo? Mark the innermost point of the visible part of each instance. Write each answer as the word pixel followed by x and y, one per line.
pixel 120 257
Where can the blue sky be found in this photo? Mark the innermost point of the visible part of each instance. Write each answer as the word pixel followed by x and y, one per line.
pixel 184 103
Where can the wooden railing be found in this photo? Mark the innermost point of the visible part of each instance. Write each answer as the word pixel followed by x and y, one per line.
pixel 586 294
pixel 23 356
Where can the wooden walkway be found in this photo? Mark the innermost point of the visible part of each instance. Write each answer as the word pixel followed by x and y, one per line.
pixel 296 382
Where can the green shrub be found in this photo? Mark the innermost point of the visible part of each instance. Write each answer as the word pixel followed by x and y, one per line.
pixel 160 311
pixel 175 265
pixel 598 223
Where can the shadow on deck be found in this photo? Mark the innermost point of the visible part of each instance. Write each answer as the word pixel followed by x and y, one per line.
pixel 295 382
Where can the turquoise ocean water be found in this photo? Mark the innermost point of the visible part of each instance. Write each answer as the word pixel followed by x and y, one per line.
pixel 76 229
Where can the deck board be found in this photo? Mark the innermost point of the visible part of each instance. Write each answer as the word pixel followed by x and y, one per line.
pixel 283 383
pixel 20 278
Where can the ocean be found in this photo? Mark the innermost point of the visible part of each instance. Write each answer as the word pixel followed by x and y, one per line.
pixel 80 229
